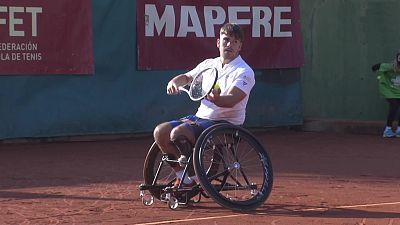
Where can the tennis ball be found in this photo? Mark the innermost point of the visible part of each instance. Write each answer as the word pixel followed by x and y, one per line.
pixel 216 87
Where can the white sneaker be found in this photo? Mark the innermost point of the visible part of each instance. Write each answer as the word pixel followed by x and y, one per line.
pixel 389 133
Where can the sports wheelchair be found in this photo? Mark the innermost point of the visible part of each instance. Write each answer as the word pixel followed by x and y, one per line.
pixel 232 168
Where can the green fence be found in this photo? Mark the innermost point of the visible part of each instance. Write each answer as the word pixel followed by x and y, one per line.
pixel 343 39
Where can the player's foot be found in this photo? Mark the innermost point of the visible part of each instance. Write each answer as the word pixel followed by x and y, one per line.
pixel 388 133
pixel 398 133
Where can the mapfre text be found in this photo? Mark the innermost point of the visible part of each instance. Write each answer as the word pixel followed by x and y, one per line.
pixel 265 21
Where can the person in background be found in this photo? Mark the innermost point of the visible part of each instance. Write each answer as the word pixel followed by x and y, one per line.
pixel 388 75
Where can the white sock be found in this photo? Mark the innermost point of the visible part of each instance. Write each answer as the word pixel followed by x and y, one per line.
pixel 186 180
pixel 195 178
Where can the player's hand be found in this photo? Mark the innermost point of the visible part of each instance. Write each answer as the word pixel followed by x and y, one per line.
pixel 214 95
pixel 172 88
pixel 176 82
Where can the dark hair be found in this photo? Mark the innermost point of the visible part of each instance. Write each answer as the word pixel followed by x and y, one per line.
pixel 232 29
pixel 397 61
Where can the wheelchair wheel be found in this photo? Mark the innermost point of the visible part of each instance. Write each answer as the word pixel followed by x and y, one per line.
pixel 233 168
pixel 166 175
pixel 152 163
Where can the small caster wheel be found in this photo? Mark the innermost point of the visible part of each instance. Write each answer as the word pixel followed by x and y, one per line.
pixel 173 203
pixel 147 200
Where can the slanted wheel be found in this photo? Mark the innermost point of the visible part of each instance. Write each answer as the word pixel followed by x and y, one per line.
pixel 166 175
pixel 233 167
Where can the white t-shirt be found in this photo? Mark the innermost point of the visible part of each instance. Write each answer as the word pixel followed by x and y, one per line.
pixel 236 73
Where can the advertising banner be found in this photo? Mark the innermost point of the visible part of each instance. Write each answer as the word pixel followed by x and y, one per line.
pixel 46 37
pixel 179 34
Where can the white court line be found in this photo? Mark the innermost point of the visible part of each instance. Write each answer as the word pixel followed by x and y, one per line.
pixel 297 210
pixel 348 206
pixel 194 219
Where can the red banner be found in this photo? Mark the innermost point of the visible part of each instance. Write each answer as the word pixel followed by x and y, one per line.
pixel 179 34
pixel 46 37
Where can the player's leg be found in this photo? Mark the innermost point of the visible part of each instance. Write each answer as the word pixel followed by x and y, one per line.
pixel 391 116
pixel 161 137
pixel 398 116
pixel 184 137
pixel 176 138
pixel 393 107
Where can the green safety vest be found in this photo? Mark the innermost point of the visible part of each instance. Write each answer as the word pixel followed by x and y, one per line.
pixel 389 81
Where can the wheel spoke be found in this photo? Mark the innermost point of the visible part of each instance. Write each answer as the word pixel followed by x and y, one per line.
pixel 237 168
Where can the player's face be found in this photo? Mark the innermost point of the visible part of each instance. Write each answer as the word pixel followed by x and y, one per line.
pixel 229 47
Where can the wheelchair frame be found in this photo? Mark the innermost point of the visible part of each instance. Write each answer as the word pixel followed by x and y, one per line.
pixel 233 169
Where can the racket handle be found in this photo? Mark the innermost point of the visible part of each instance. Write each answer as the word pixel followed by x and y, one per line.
pixel 183 89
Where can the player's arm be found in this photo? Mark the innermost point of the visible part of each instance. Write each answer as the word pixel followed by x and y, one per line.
pixel 176 82
pixel 234 96
pixel 384 68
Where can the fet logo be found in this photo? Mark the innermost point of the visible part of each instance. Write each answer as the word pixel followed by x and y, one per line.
pixel 14 16
pixel 265 21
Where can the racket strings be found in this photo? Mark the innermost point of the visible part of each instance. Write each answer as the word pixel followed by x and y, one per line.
pixel 197 87
pixel 203 83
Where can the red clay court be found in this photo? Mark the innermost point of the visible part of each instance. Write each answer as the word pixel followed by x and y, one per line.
pixel 319 178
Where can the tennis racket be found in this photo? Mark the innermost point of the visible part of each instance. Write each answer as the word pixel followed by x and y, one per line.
pixel 202 84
